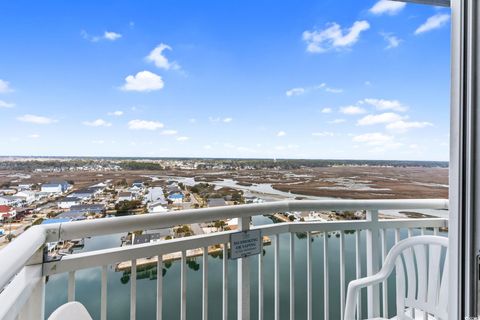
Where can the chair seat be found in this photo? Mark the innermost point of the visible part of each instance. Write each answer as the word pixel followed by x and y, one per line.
pixel 418 316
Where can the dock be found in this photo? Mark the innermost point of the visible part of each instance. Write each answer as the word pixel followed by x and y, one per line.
pixel 152 261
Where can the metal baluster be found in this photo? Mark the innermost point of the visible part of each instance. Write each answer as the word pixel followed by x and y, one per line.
pixel 133 289
pixel 103 298
pixel 159 286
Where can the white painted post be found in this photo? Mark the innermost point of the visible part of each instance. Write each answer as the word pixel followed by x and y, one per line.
pixel 243 278
pixel 372 237
pixel 34 308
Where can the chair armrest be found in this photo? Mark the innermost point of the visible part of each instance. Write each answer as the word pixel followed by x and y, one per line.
pixel 355 286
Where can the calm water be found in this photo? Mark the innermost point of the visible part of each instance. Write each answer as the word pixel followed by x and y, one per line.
pixel 88 282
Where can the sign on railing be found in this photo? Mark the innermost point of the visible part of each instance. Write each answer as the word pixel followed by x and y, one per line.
pixel 245 243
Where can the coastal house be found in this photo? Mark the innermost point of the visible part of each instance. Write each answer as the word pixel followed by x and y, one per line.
pixel 216 202
pixel 55 187
pixel 138 184
pixel 86 193
pixel 72 215
pixel 173 188
pixel 89 208
pixel 125 196
pixel 146 238
pixel 8 191
pixel 12 201
pixel 155 194
pixel 24 186
pixel 28 196
pixel 176 198
pixel 7 212
pixel 157 207
pixel 68 202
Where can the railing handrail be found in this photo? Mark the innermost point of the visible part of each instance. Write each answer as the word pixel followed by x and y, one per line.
pixel 20 251
pixel 89 228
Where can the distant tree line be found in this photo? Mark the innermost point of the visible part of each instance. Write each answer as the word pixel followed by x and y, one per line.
pixel 134 165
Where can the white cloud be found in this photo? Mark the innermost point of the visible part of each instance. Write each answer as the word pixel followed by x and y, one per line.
pixel 30 118
pixel 117 113
pixel 98 141
pixel 183 138
pixel 144 125
pixel 169 132
pixel 434 22
pixel 34 136
pixel 112 36
pixel 5 86
pixel 382 104
pixel 192 120
pixel 387 117
pixel 326 110
pixel 392 41
pixel 333 90
pixel 107 35
pixel 97 123
pixel 295 92
pixel 387 7
pixel 281 133
pixel 207 147
pixel 4 104
pixel 337 121
pixel 352 110
pixel 299 90
pixel 373 139
pixel 333 37
pixel 158 58
pixel 218 119
pixel 323 134
pixel 143 81
pixel 403 126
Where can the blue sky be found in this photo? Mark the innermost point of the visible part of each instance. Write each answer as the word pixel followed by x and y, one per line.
pixel 253 79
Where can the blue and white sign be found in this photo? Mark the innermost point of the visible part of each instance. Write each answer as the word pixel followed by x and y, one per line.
pixel 245 243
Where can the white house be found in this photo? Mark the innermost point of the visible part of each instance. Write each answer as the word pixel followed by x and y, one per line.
pixel 7 212
pixel 125 196
pixel 55 187
pixel 68 202
pixel 157 207
pixel 24 186
pixel 52 188
pixel 27 195
pixel 11 201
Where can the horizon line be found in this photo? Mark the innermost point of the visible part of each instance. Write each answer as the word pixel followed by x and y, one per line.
pixel 212 158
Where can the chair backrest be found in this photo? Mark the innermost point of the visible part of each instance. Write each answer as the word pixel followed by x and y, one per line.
pixel 72 311
pixel 421 269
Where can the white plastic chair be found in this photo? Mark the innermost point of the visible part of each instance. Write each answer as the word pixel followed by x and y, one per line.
pixel 70 311
pixel 422 291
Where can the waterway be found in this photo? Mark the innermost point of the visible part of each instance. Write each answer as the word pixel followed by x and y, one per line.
pixel 118 289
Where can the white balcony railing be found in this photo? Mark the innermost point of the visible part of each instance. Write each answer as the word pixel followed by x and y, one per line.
pixel 23 270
